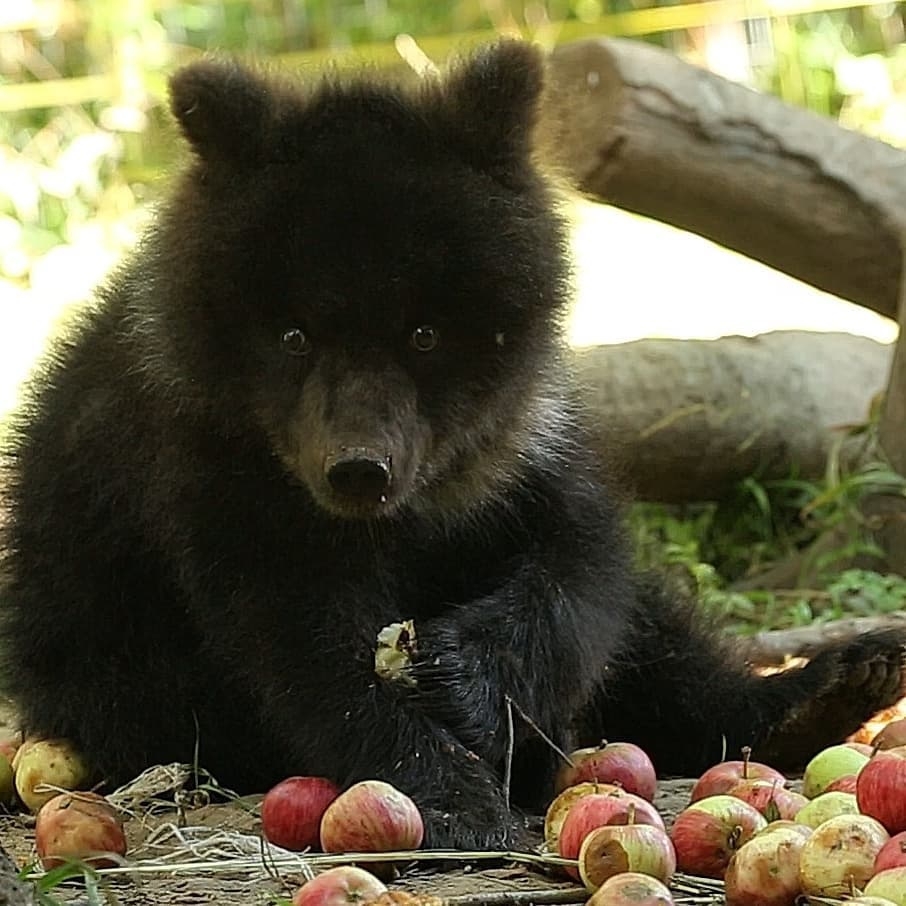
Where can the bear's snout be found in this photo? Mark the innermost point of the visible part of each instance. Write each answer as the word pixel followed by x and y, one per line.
pixel 359 474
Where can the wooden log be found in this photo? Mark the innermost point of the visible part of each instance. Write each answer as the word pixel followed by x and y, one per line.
pixel 685 420
pixel 636 126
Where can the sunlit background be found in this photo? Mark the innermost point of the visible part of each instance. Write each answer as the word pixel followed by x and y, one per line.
pixel 85 146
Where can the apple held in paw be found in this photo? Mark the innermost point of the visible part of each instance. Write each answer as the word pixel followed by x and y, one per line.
pixel 631 889
pixel 344 885
pixel 291 811
pixel 765 872
pixel 881 789
pixel 621 763
pixel 773 800
pixel 708 833
pixel 559 809
pixel 371 816
pixel 617 848
pixel 79 826
pixel 840 855
pixel 831 764
pixel 720 778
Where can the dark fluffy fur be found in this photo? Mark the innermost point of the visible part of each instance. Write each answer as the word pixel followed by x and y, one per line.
pixel 179 567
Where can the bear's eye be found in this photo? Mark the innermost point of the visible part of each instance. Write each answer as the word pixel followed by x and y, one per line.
pixel 295 342
pixel 424 338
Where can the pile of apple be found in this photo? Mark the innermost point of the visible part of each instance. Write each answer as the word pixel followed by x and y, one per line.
pixel 843 836
pixel 302 813
pixel 70 825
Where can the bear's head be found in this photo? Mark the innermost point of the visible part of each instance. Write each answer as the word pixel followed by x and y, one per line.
pixel 371 274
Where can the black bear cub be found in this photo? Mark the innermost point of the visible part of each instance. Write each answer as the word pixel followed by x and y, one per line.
pixel 328 393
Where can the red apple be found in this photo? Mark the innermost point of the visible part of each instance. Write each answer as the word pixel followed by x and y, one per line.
pixel 840 855
pixel 891 736
pixel 291 811
pixel 371 816
pixel 718 779
pixel 79 826
pixel 559 809
pixel 844 784
pixel 774 801
pixel 765 872
pixel 598 810
pixel 622 763
pixel 631 889
pixel 892 854
pixel 881 789
pixel 617 848
pixel 708 832
pixel 341 886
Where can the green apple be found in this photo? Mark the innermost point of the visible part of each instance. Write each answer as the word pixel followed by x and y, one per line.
pixel 829 765
pixel 827 805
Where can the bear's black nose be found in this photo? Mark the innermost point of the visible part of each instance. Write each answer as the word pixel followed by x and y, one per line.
pixel 359 474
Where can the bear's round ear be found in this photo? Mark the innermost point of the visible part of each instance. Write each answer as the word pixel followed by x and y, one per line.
pixel 223 109
pixel 493 98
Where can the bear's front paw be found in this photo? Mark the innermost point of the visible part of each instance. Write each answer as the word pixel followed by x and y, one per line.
pixel 486 826
pixel 833 695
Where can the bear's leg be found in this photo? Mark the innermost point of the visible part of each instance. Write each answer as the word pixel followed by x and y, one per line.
pixel 683 691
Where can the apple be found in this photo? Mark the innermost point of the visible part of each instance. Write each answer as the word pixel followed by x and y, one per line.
pixel 631 889
pixel 83 826
pixel 9 743
pixel 769 797
pixel 617 848
pixel 893 853
pixel 840 855
pixel 863 747
pixel 881 789
pixel 890 884
pixel 7 781
pixel 844 784
pixel 598 810
pixel 720 778
pixel 47 761
pixel 341 886
pixel 371 816
pixel 559 808
pixel 801 829
pixel 291 811
pixel 825 806
pixel 891 736
pixel 829 765
pixel 707 833
pixel 765 872
pixel 621 763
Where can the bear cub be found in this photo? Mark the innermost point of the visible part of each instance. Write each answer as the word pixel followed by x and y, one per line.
pixel 329 393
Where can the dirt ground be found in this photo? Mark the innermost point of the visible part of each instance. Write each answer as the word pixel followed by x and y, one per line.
pixel 221 861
